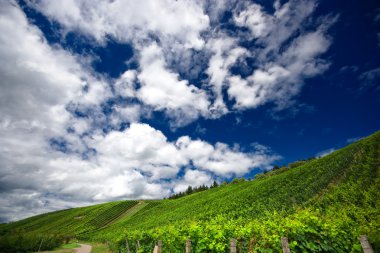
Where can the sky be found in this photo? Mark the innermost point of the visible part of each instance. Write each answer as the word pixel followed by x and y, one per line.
pixel 109 100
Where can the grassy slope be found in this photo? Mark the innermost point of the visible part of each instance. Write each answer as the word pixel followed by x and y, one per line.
pixel 254 198
pixel 343 184
pixel 71 221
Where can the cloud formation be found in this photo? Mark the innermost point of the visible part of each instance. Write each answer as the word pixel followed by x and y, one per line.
pixel 179 20
pixel 289 53
pixel 287 45
pixel 39 85
pixel 63 126
pixel 162 89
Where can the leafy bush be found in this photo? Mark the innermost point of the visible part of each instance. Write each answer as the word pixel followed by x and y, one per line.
pixel 29 242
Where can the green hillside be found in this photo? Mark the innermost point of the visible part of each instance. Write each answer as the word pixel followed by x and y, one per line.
pixel 72 221
pixel 323 205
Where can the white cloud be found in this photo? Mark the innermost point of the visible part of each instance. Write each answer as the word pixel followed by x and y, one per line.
pixel 326 152
pixel 179 37
pixel 36 80
pixel 125 84
pixel 177 25
pixel 126 114
pixel 225 53
pixel 143 148
pixel 193 178
pixel 283 24
pixel 21 203
pixel 37 83
pixel 163 90
pixel 259 88
pixel 221 159
pixel 216 8
pixel 254 19
pixel 282 65
pixel 127 164
pixel 50 98
pixel 139 147
pixel 131 20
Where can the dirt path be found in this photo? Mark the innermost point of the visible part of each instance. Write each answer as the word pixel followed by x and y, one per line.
pixel 84 248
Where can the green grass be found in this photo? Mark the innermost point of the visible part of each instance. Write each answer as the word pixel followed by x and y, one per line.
pixel 321 205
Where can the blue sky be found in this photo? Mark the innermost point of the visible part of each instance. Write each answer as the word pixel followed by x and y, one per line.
pixel 109 100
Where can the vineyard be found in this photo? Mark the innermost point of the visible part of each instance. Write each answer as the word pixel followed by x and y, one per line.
pixel 321 205
pixel 72 221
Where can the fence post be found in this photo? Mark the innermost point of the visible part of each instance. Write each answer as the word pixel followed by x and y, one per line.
pixel 159 246
pixel 365 244
pixel 137 245
pixel 240 247
pixel 39 248
pixel 233 245
pixel 188 246
pixel 285 245
pixel 127 245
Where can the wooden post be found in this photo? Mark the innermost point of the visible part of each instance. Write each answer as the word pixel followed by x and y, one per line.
pixel 188 246
pixel 233 245
pixel 365 244
pixel 285 245
pixel 159 246
pixel 127 246
pixel 137 245
pixel 240 248
pixel 39 248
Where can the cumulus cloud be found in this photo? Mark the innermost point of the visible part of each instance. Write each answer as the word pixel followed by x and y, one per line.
pixel 130 164
pixel 37 81
pixel 140 147
pixel 192 178
pixel 221 159
pixel 163 90
pixel 143 148
pixel 70 136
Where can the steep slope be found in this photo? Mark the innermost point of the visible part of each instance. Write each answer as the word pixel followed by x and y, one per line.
pixel 321 206
pixel 338 194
